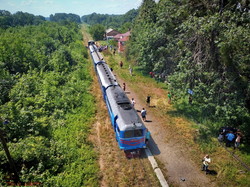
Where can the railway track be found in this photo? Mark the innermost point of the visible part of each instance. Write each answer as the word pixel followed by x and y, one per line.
pixel 115 168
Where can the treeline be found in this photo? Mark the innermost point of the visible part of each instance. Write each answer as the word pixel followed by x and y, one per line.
pixel 60 17
pixel 200 46
pixel 119 22
pixel 18 19
pixel 45 105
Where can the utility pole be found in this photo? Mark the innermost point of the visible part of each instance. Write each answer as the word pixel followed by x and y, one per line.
pixel 12 165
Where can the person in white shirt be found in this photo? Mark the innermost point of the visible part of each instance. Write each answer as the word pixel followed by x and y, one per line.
pixel 143 114
pixel 206 161
pixel 237 141
pixel 133 102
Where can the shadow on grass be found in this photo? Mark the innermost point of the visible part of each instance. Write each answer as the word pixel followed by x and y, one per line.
pixel 152 106
pixel 212 172
pixel 189 111
pixel 141 70
pixel 245 148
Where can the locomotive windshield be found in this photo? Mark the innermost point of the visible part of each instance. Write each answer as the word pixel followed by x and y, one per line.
pixel 133 133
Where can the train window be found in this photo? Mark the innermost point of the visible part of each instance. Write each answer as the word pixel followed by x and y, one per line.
pixel 138 132
pixel 133 133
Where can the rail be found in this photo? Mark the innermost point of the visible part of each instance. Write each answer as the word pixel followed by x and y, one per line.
pixel 236 157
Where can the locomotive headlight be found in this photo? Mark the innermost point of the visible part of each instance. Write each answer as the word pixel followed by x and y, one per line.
pixel 138 124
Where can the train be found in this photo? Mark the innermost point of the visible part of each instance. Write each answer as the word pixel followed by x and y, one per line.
pixel 130 131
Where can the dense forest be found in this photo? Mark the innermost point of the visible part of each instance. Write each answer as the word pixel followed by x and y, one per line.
pixel 18 19
pixel 46 108
pixel 201 50
pixel 119 22
pixel 61 17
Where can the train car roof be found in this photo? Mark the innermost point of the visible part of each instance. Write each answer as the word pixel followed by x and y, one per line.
pixel 96 58
pixel 96 55
pixel 106 76
pixel 128 119
pixel 92 48
pixel 99 55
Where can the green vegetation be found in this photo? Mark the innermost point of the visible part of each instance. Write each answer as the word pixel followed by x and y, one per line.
pixel 18 19
pixel 97 31
pixel 202 46
pixel 62 17
pixel 45 97
pixel 118 22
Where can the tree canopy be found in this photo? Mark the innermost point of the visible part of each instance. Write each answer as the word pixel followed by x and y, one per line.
pixel 112 21
pixel 45 98
pixel 97 31
pixel 18 19
pixel 62 17
pixel 199 46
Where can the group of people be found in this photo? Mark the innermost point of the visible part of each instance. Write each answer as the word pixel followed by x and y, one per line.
pixel 159 77
pixel 143 111
pixel 231 136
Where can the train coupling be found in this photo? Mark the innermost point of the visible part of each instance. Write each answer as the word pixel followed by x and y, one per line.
pixel 135 153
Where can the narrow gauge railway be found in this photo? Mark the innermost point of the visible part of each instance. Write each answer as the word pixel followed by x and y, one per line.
pixel 130 132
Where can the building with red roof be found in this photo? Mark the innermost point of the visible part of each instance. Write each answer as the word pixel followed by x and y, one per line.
pixel 121 39
pixel 110 33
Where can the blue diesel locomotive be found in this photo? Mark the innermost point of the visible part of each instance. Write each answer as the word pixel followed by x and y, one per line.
pixel 129 129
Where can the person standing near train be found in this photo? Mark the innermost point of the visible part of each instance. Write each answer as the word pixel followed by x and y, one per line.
pixel 148 100
pixel 133 102
pixel 148 135
pixel 143 114
pixel 124 86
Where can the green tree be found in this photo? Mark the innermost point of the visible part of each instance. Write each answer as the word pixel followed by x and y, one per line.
pixel 62 17
pixel 200 46
pixel 45 97
pixel 97 31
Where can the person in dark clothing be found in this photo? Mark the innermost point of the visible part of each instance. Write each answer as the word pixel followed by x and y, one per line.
pixel 148 100
pixel 124 86
pixel 121 64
